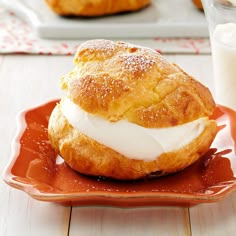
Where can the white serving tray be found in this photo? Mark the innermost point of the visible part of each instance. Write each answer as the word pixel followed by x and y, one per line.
pixel 163 18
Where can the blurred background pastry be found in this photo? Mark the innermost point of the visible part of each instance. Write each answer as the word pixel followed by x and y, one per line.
pixel 95 7
pixel 198 4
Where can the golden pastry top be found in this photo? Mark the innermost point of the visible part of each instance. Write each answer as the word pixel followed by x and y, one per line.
pixel 117 80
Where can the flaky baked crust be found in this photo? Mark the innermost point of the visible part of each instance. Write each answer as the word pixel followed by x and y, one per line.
pixel 115 81
pixel 87 156
pixel 95 7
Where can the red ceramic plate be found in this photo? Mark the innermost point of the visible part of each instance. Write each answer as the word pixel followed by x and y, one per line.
pixel 36 169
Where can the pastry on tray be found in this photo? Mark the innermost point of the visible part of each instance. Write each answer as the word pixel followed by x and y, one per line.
pixel 95 7
pixel 128 113
pixel 198 4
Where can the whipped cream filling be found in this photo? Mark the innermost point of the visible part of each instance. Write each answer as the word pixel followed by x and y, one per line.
pixel 129 139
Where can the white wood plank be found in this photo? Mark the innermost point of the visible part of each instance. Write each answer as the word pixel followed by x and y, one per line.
pixel 214 219
pixel 27 81
pixel 106 221
pixel 21 215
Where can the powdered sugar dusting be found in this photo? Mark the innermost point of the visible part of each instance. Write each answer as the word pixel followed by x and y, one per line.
pixel 135 63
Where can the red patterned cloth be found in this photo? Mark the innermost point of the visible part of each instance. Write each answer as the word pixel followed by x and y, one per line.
pixel 16 36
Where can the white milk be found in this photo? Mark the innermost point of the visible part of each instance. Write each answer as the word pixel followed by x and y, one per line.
pixel 224 64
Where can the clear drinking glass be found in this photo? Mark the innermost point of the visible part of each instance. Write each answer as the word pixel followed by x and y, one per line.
pixel 221 19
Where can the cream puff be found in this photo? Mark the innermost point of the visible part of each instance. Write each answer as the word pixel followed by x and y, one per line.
pixel 128 113
pixel 95 7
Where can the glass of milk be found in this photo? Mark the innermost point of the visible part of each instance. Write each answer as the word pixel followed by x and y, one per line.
pixel 221 18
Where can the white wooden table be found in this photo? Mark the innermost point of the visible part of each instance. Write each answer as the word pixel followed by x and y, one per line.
pixel 27 81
